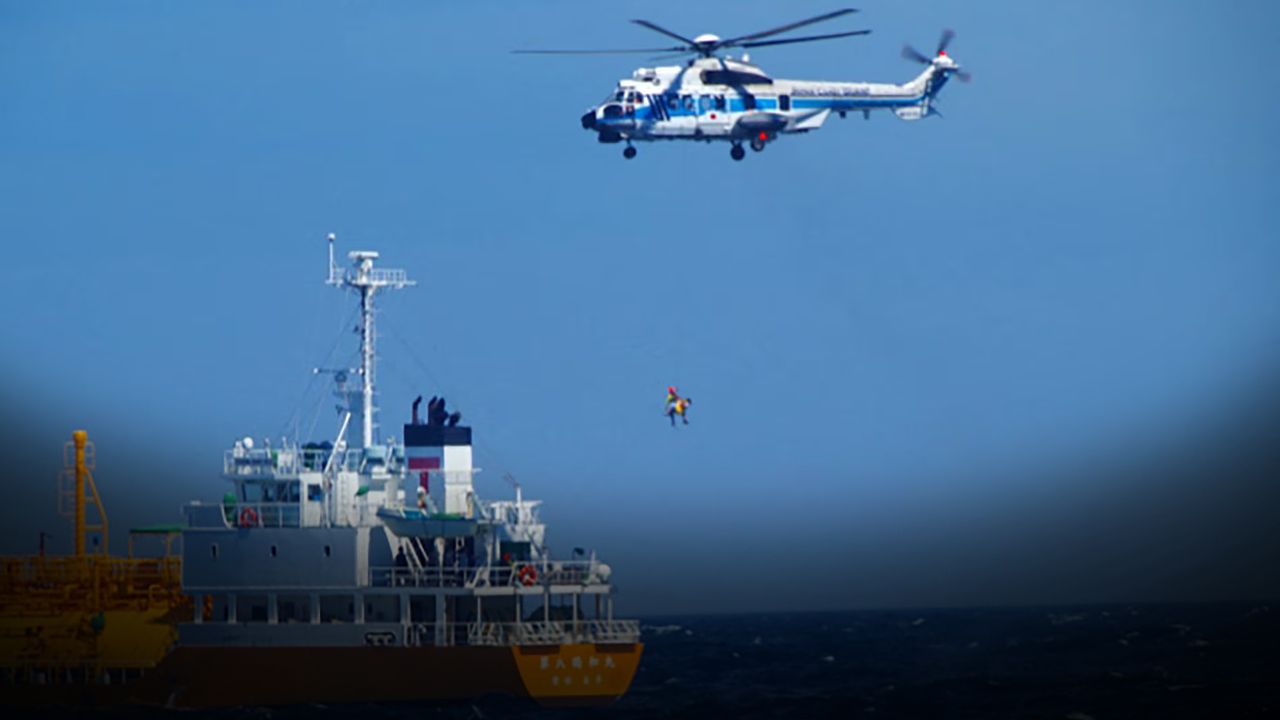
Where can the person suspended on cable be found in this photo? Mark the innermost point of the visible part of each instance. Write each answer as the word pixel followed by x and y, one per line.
pixel 677 405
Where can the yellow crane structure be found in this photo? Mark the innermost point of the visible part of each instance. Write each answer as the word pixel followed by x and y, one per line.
pixel 88 617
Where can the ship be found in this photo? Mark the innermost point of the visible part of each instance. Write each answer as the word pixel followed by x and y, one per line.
pixel 348 569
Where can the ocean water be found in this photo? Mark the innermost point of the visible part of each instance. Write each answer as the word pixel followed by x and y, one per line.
pixel 1068 663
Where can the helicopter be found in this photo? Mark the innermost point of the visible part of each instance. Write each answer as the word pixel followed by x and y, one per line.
pixel 720 98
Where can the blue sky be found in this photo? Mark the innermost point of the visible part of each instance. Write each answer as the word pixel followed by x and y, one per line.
pixel 891 330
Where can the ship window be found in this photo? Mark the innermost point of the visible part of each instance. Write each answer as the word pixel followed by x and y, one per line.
pixel 719 102
pixel 422 608
pixel 274 551
pixel 213 550
pixel 749 102
pixel 619 95
pixel 784 102
pixel 517 551
pixel 251 608
pixel 221 611
pixel 293 609
pixel 673 102
pixel 337 609
pixel 314 493
pixel 382 608
pixel 328 551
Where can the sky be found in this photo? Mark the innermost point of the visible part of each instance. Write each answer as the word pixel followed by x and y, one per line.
pixel 1001 357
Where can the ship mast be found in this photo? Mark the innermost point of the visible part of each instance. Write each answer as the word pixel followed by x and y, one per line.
pixel 366 280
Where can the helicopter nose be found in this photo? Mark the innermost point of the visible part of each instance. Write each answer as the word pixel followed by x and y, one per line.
pixel 589 120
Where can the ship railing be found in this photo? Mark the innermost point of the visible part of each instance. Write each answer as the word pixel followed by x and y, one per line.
pixel 428 576
pixel 548 572
pixel 43 582
pixel 506 634
pixel 510 512
pixel 573 572
pixel 539 633
pixel 288 461
pixel 262 461
pixel 582 573
pixel 424 634
pixel 607 631
pixel 244 514
pixel 553 632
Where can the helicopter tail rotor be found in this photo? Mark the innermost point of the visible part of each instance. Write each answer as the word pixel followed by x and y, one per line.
pixel 940 58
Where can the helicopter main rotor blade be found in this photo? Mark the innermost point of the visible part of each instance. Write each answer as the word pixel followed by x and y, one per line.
pixel 788 26
pixel 599 52
pixel 664 31
pixel 911 53
pixel 945 40
pixel 810 38
pixel 671 55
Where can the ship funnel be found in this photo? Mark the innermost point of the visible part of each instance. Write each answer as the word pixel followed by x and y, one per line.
pixel 439 456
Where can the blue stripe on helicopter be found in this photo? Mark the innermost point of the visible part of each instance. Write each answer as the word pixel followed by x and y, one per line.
pixel 854 102
pixel 657 109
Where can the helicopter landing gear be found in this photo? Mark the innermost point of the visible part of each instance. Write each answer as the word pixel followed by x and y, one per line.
pixel 737 153
pixel 757 144
pixel 629 152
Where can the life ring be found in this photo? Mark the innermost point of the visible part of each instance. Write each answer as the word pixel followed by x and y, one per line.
pixel 528 575
pixel 248 518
